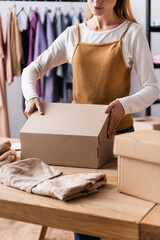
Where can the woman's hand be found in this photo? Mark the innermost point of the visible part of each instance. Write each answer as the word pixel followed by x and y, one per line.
pixel 116 114
pixel 32 105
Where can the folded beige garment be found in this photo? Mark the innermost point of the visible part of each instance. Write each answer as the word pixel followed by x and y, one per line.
pixel 7 153
pixel 34 176
pixel 26 174
pixel 8 159
pixel 5 145
pixel 71 186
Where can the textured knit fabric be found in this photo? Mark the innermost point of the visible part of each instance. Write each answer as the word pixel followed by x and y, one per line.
pixel 71 186
pixel 100 74
pixel 4 123
pixel 26 174
pixel 34 176
pixel 17 56
pixel 5 145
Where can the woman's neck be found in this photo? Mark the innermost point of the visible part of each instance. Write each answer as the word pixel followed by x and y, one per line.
pixel 102 23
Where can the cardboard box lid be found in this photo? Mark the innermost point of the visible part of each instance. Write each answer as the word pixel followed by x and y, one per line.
pixel 142 145
pixel 67 119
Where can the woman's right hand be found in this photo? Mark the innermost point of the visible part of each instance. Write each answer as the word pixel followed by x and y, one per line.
pixel 32 105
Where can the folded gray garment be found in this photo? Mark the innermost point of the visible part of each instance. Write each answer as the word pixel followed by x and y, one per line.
pixel 8 159
pixel 34 176
pixel 5 145
pixel 26 174
pixel 71 186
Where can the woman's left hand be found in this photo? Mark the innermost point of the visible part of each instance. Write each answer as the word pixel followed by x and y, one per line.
pixel 116 111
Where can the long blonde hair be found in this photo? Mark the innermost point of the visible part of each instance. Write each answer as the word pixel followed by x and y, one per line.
pixel 122 9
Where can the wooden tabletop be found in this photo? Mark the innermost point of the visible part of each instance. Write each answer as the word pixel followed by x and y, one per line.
pixel 107 214
pixel 150 225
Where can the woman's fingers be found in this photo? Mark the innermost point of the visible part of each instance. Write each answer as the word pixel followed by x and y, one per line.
pixel 32 105
pixel 39 107
pixel 110 106
pixel 116 114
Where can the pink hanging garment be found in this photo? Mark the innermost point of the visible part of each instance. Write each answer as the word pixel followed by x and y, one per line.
pixel 8 65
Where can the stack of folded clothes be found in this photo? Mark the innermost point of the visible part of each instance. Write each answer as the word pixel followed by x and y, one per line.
pixel 34 176
pixel 7 155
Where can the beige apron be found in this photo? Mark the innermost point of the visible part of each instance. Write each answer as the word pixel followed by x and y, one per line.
pixel 100 74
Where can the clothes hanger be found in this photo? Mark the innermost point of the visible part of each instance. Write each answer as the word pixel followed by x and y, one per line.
pixel 48 9
pixel 58 9
pixel 22 10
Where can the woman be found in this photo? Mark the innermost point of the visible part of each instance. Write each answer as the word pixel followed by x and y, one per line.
pixel 102 51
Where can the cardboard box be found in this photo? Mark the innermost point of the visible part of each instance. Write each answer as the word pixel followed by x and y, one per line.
pixel 68 135
pixel 139 164
pixel 148 122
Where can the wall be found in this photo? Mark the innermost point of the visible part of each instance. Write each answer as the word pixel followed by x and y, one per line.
pixel 14 96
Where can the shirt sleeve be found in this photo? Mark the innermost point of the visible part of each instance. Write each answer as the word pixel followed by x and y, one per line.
pixel 142 61
pixel 54 56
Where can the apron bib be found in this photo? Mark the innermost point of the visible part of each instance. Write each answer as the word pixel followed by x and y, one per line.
pixel 100 74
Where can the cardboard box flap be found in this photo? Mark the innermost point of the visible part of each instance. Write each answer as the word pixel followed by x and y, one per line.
pixel 67 119
pixel 142 145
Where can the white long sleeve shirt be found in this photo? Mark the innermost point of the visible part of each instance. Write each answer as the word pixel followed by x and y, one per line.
pixel 135 50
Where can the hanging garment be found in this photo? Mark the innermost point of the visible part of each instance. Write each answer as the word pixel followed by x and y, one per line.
pixel 51 92
pixel 34 176
pixel 8 65
pixel 4 123
pixel 72 19
pixel 32 31
pixel 69 75
pixel 100 74
pixel 25 45
pixel 59 27
pixel 17 56
pixel 40 46
pixel 80 17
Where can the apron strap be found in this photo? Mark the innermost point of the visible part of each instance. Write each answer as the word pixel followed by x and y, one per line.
pixel 78 33
pixel 125 30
